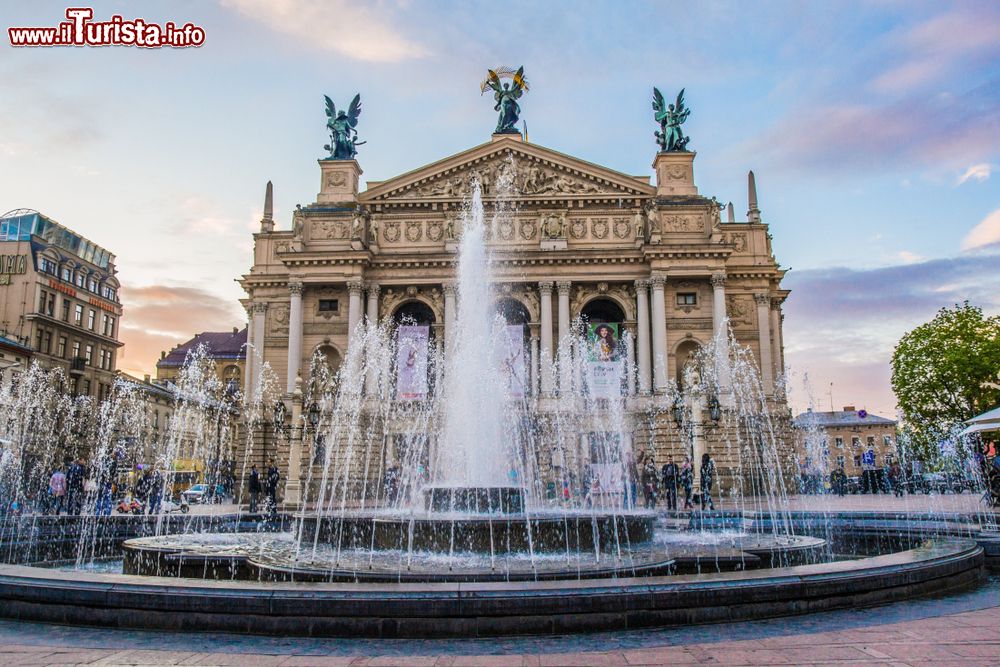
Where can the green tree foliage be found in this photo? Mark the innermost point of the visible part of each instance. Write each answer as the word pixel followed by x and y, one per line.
pixel 940 368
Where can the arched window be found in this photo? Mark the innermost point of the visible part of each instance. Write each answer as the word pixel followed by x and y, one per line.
pixel 414 313
pixel 325 364
pixel 513 311
pixel 602 311
pixel 412 366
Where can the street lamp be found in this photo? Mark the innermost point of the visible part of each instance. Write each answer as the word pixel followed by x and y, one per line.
pixel 713 409
pixel 314 416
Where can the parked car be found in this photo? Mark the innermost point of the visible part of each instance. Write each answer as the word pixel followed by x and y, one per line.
pixel 199 494
pixel 852 485
pixel 929 482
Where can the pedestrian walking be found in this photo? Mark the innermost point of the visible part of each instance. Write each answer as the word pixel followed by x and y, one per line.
pixel 669 477
pixel 155 500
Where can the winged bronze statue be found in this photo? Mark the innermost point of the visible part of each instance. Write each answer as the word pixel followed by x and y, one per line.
pixel 506 96
pixel 670 117
pixel 343 135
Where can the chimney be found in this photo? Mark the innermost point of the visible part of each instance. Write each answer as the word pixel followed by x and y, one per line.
pixel 753 214
pixel 163 354
pixel 267 221
pixel 145 378
pixel 850 408
pixel 236 330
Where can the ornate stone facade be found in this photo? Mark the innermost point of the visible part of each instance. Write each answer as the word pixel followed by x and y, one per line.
pixel 656 252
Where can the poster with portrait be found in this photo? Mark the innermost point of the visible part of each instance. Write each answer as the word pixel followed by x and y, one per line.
pixel 605 352
pixel 508 354
pixel 411 362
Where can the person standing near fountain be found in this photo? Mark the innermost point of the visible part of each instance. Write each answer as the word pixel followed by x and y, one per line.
pixel 707 477
pixel 273 477
pixel 669 476
pixel 687 481
pixel 74 483
pixel 254 487
pixel 57 489
pixel 650 483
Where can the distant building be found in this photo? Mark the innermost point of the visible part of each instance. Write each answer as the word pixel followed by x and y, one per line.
pixel 226 348
pixel 843 438
pixel 59 296
pixel 14 359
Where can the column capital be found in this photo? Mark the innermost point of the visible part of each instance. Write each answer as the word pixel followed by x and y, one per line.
pixel 718 279
pixel 564 287
pixel 373 289
pixel 295 288
pixel 762 300
pixel 657 282
pixel 545 285
pixel 776 302
pixel 449 288
pixel 642 283
pixel 534 340
pixel 260 307
pixel 355 287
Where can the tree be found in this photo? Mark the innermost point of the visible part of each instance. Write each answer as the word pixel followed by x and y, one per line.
pixel 940 371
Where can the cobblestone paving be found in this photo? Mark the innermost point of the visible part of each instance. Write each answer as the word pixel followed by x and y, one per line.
pixel 957 629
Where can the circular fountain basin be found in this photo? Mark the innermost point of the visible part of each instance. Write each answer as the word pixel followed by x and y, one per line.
pixel 474 499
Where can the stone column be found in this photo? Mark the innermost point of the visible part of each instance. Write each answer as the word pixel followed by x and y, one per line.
pixel 721 333
pixel 248 367
pixel 630 357
pixel 294 333
pixel 764 341
pixel 450 313
pixel 545 299
pixel 565 351
pixel 534 366
pixel 642 336
pixel 354 289
pixel 259 314
pixel 371 380
pixel 659 326
pixel 776 356
pixel 293 482
pixel 372 311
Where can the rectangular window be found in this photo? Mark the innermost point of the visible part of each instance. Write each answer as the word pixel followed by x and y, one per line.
pixel 857 461
pixel 89 354
pixel 887 440
pixel 80 278
pixel 840 461
pixel 86 388
pixel 76 349
pixel 871 441
pixel 61 349
pixel 329 305
pixel 42 300
pixel 67 275
pixel 65 313
pixel 839 442
pixel 38 342
pixel 47 342
pixel 91 319
pixel 687 298
pixel 855 441
pixel 78 315
pixel 92 285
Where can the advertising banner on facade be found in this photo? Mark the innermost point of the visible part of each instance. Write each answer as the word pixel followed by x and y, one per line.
pixel 605 352
pixel 509 358
pixel 411 362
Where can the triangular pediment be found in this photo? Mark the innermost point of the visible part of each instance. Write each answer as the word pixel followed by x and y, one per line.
pixel 538 173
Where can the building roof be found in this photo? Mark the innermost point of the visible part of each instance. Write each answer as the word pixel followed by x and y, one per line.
pixel 841 418
pixel 219 344
pixel 21 224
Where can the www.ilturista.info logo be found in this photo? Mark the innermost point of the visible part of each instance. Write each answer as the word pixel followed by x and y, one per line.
pixel 80 30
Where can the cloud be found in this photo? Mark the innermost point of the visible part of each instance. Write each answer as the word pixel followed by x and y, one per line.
pixel 984 234
pixel 978 172
pixel 942 130
pixel 841 324
pixel 356 30
pixel 908 257
pixel 158 317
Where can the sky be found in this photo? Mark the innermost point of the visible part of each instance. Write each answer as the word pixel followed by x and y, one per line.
pixel 873 129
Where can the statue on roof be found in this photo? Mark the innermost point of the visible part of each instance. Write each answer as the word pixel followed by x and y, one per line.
pixel 343 135
pixel 506 96
pixel 670 117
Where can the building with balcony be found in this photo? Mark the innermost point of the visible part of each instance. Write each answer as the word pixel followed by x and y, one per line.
pixel 59 297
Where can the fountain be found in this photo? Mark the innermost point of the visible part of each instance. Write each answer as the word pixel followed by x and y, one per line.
pixel 467 537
